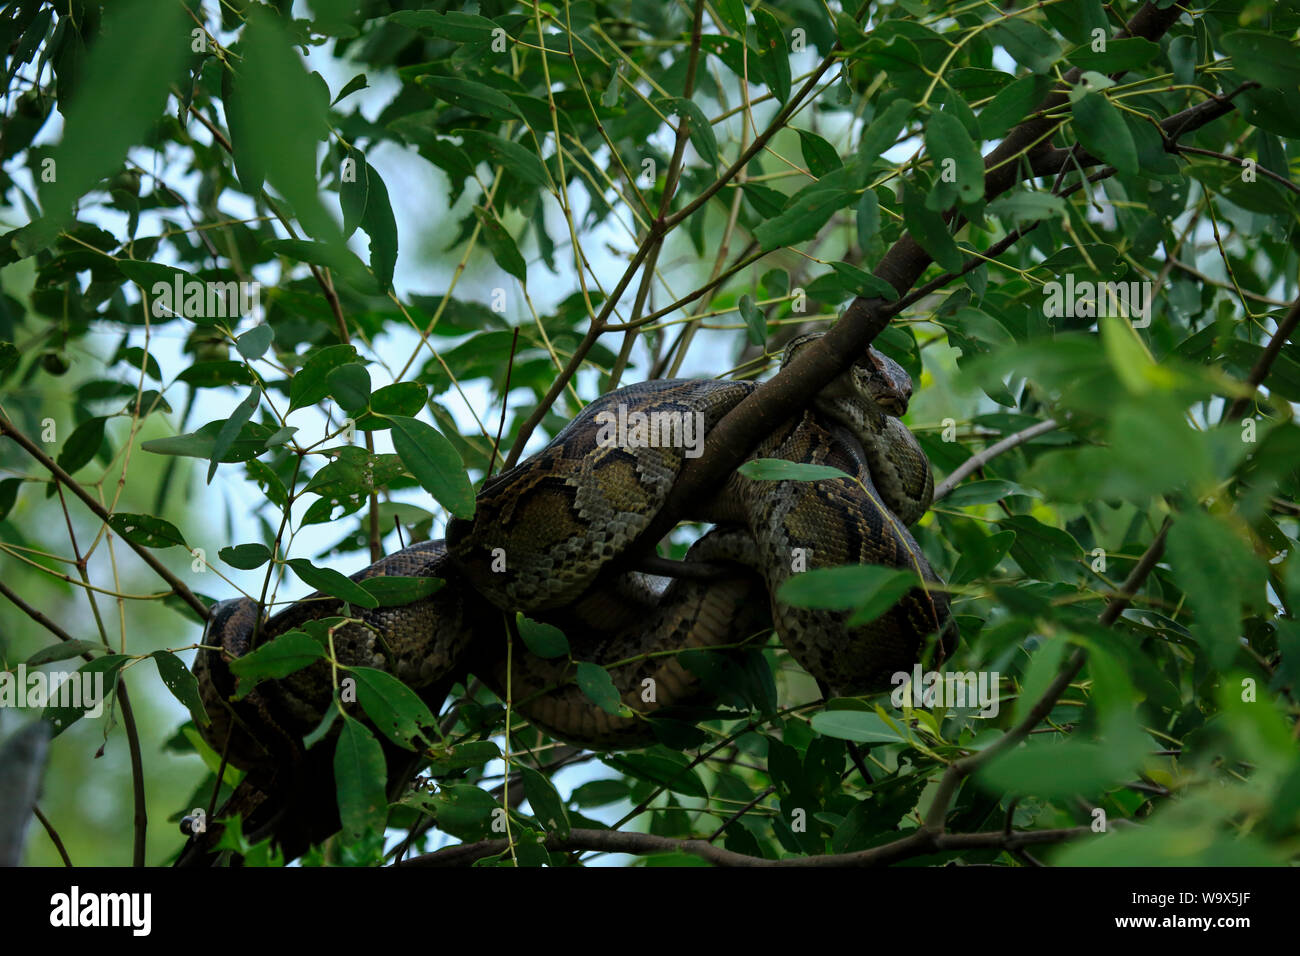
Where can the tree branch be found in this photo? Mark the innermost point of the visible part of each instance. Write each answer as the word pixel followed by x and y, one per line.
pixel 176 584
pixel 976 462
pixel 918 843
pixel 1265 361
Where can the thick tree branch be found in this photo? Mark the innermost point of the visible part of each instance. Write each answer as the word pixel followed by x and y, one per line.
pixel 918 843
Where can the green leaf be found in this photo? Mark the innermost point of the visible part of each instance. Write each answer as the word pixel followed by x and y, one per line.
pixel 1059 770
pixel 804 218
pixel 1217 571
pixel 518 160
pixel 820 155
pixel 1119 56
pixel 663 768
pixel 884 129
pixel 321 730
pixel 855 282
pixel 701 130
pixel 311 383
pixel 393 707
pixel 453 25
pixel 930 231
pixel 183 685
pixel 88 692
pixel 733 14
pixel 119 96
pixel 544 640
pixel 472 753
pixel 332 582
pixel 985 492
pixel 776 282
pixel 82 444
pixel 778 469
pixel 868 220
pixel 755 321
pixel 350 386
pixel 246 557
pixel 1028 43
pixel 1044 665
pixel 357 82
pixel 8 495
pixel 767 202
pixel 850 586
pixel 548 808
pixel 860 726
pixel 598 793
pixel 1038 546
pixel 400 398
pixel 1021 207
pixel 1103 132
pixel 774 59
pixel 279 657
pixel 378 222
pixel 212 374
pixel 231 428
pixel 360 774
pixel 884 596
pixel 1013 103
pixel 501 244
pixel 250 444
pixel 434 463
pixel 279 134
pixel 1267 58
pixel 596 683
pixel 471 96
pixel 396 591
pixel 609 98
pixel 946 139
pixel 345 263
pixel 254 343
pixel 146 530
pixel 465 812
pixel 62 651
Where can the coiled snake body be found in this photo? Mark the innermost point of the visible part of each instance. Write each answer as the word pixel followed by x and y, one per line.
pixel 549 539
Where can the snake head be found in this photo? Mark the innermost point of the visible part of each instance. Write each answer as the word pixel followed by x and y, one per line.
pixel 882 380
pixel 875 377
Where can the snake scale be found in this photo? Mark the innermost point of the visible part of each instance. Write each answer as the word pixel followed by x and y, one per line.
pixel 550 539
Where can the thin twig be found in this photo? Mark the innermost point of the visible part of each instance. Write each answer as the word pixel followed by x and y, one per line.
pixel 53 834
pixel 176 584
pixel 977 461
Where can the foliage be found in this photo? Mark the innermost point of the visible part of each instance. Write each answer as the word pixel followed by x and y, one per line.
pixel 641 189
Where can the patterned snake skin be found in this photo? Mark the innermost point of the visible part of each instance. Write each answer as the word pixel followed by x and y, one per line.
pixel 547 538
